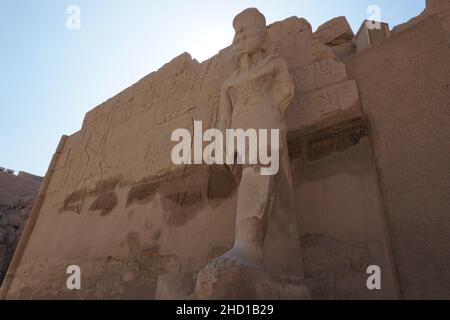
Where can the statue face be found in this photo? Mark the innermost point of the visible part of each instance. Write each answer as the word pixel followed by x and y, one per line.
pixel 248 40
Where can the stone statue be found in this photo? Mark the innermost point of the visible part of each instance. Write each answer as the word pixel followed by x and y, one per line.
pixel 256 96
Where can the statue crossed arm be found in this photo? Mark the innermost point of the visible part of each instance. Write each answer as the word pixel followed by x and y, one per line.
pixel 282 93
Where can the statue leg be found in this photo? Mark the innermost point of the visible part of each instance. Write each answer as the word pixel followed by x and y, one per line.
pixel 255 198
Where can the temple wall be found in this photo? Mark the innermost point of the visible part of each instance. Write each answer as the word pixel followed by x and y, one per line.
pixel 341 219
pixel 141 227
pixel 404 89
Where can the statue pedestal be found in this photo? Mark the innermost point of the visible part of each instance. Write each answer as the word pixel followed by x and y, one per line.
pixel 247 283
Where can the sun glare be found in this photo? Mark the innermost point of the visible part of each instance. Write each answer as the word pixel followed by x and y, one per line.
pixel 206 44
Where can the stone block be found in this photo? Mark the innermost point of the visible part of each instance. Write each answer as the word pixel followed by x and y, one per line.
pixel 328 106
pixel 175 286
pixel 2 254
pixel 434 6
pixel 248 283
pixel 2 235
pixel 3 221
pixel 334 32
pixel 10 230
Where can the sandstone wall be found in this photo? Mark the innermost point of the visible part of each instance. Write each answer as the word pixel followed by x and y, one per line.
pixel 17 194
pixel 438 8
pixel 14 190
pixel 404 87
pixel 140 227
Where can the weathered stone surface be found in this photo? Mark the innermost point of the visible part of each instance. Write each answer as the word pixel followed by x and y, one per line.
pixel 16 199
pixel 248 283
pixel 15 221
pixel 17 191
pixel 175 287
pixel 327 106
pixel 334 32
pixel 2 254
pixel 340 261
pixel 25 213
pixel 3 221
pixel 338 138
pixel 435 6
pixel 222 182
pixel 10 230
pixel 440 8
pixel 127 137
pixel 165 222
pixel 256 96
pixel 2 235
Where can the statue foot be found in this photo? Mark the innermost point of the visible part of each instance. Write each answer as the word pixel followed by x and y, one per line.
pixel 239 256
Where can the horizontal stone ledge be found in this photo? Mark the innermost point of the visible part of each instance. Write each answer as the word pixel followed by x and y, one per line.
pixel 325 107
pixel 319 74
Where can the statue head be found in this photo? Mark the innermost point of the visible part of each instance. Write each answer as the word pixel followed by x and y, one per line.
pixel 251 32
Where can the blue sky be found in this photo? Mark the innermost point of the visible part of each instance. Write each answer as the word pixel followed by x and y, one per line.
pixel 51 76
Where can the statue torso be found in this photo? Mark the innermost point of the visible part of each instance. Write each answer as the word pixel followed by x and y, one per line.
pixel 250 92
